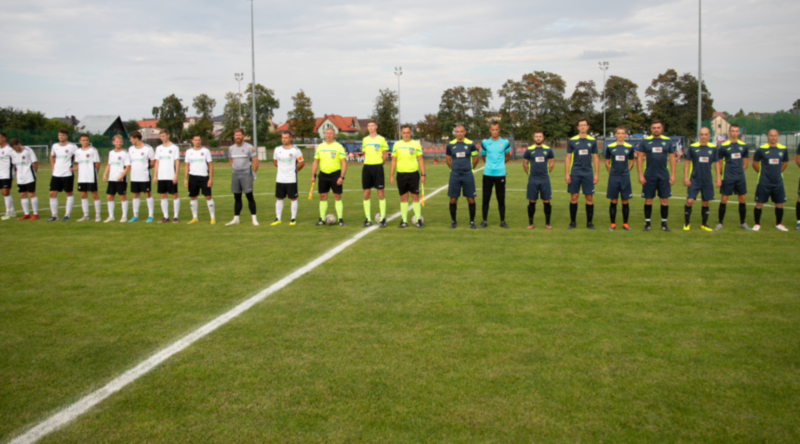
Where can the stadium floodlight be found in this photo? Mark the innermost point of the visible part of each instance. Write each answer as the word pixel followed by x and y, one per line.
pixel 398 71
pixel 699 67
pixel 239 77
pixel 253 54
pixel 604 68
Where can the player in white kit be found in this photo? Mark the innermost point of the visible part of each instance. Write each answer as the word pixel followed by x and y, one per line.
pixel 27 166
pixel 88 160
pixel 198 176
pixel 61 156
pixel 116 174
pixel 168 162
pixel 289 160
pixel 6 176
pixel 142 159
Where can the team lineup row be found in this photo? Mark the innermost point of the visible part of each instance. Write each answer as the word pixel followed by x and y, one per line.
pixel 654 158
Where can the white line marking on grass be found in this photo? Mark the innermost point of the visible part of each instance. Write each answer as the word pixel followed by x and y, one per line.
pixel 83 405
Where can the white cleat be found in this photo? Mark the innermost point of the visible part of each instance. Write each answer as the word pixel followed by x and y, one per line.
pixel 255 222
pixel 756 227
pixel 83 219
pixel 780 227
pixel 98 219
pixel 233 222
pixel 5 217
pixel 124 220
pixel 110 219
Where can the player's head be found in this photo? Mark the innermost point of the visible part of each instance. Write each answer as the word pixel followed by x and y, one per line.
pixel 772 136
pixel 84 140
pixel 583 126
pixel 136 137
pixel 733 132
pixel 538 137
pixel 63 135
pixel 330 135
pixel 164 136
pixel 2 138
pixel 460 132
pixel 117 141
pixel 494 129
pixel 372 127
pixel 656 128
pixel 15 145
pixel 286 138
pixel 238 136
pixel 197 141
pixel 405 132
pixel 620 133
pixel 705 134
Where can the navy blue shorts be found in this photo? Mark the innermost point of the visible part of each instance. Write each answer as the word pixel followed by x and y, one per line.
pixel 581 181
pixel 537 188
pixel 736 187
pixel 459 182
pixel 705 189
pixel 619 186
pixel 655 185
pixel 767 191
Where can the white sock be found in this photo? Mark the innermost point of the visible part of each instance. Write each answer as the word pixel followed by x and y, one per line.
pixel 193 204
pixel 34 204
pixel 24 203
pixel 176 207
pixel 54 206
pixel 97 205
pixel 70 203
pixel 136 203
pixel 111 209
pixel 236 218
pixel 124 209
pixel 151 205
pixel 278 209
pixel 9 204
pixel 85 207
pixel 210 204
pixel 255 219
pixel 294 209
pixel 165 208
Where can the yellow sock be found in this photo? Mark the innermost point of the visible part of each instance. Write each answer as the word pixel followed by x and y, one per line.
pixel 382 203
pixel 339 208
pixel 323 209
pixel 367 209
pixel 404 211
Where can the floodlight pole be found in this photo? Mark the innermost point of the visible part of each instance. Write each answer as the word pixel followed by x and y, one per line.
pixel 398 71
pixel 699 67
pixel 253 53
pixel 604 68
pixel 239 77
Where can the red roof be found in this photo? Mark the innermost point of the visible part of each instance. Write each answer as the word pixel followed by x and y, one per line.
pixel 343 124
pixel 715 115
pixel 148 123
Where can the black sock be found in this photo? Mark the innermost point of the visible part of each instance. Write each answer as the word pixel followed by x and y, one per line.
pixel 547 210
pixel 488 183
pixel 648 211
pixel 485 206
pixel 742 213
pixel 612 212
pixel 704 213
pixel 251 203
pixel 722 209
pixel 472 209
pixel 687 215
pixel 797 211
pixel 573 211
pixel 453 207
pixel 778 215
pixel 237 204
pixel 501 207
pixel 664 213
pixel 589 213
pixel 626 211
pixel 757 216
pixel 531 212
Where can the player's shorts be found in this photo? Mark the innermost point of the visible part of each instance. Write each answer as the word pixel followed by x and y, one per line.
pixel 372 177
pixel 87 187
pixel 496 182
pixel 767 191
pixel 581 181
pixel 27 187
pixel 733 187
pixel 241 181
pixel 704 189
pixel 140 187
pixel 619 187
pixel 120 188
pixel 197 184
pixel 408 183
pixel 284 190
pixel 459 183
pixel 64 184
pixel 327 182
pixel 167 187
pixel 659 185
pixel 5 184
pixel 539 188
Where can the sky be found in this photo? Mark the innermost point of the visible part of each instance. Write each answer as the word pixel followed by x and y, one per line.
pixel 101 57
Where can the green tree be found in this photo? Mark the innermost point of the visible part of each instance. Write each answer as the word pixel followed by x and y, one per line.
pixel 266 104
pixel 453 109
pixel 385 113
pixel 623 106
pixel 581 106
pixel 204 107
pixel 429 127
pixel 231 111
pixel 132 125
pixel 517 112
pixel 171 115
pixel 553 107
pixel 12 118
pixel 301 117
pixel 479 113
pixel 672 99
pixel 796 105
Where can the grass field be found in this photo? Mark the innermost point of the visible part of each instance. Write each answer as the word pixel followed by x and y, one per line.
pixel 430 335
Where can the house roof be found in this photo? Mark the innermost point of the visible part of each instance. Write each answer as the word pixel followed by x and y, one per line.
pixel 148 123
pixel 98 124
pixel 220 118
pixel 717 114
pixel 343 124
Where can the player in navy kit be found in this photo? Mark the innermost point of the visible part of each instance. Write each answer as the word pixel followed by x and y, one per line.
pixel 462 158
pixel 701 157
pixel 658 178
pixel 770 160
pixel 733 154
pixel 581 162
pixel 619 163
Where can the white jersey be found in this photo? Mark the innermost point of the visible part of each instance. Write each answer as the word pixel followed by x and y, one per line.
pixel 198 161
pixel 166 156
pixel 86 158
pixel 117 161
pixel 64 156
pixel 287 163
pixel 24 161
pixel 140 163
pixel 6 153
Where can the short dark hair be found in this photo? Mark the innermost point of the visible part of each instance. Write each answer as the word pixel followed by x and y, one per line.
pixel 238 130
pixel 621 128
pixel 734 126
pixel 405 126
pixel 538 132
pixel 63 131
pixel 136 135
pixel 83 135
pixel 371 121
pixel 656 122
pixel 581 120
pixel 289 132
pixel 12 142
pixel 3 134
pixel 494 123
pixel 197 135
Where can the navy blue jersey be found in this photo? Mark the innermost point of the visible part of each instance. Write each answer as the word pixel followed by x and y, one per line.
pixel 581 150
pixel 538 157
pixel 619 156
pixel 772 160
pixel 656 152
pixel 731 155
pixel 702 158
pixel 461 154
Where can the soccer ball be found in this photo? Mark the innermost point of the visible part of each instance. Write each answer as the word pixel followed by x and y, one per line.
pixel 330 219
pixel 377 218
pixel 414 219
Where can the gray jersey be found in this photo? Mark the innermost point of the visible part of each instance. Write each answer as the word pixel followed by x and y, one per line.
pixel 241 155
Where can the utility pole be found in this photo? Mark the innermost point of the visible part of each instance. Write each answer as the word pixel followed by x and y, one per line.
pixel 604 68
pixel 398 71
pixel 699 67
pixel 253 52
pixel 239 77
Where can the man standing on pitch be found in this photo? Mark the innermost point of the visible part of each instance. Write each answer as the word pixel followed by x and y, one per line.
pixel 496 152
pixel 700 156
pixel 619 163
pixel 375 150
pixel 289 161
pixel 88 160
pixel 580 163
pixel 244 165
pixel 6 176
pixel 27 166
pixel 769 161
pixel 408 162
pixel 198 176
pixel 539 162
pixel 62 179
pixel 331 159
pixel 142 159
pixel 462 158
pixel 734 156
pixel 116 174
pixel 657 149
pixel 168 161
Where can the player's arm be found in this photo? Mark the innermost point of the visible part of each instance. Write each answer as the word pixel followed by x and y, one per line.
pixel 177 170
pixel 255 165
pixel 475 160
pixel 686 179
pixel 105 173
pixel 639 164
pixel 186 174
pixel 551 164
pixel 508 154
pixel 784 165
pixel 796 159
pixel 344 171
pixel 672 165
pixel 210 174
pixel 385 155
pixel 300 164
pixel 52 160
pixel 630 165
pixel 596 167
pixel 36 167
pixel 127 170
pixel 718 169
pixel 608 164
pixel 421 162
pixel 155 176
pixel 525 163
pixel 756 166
pixel 448 157
pixel 392 169
pixel 566 167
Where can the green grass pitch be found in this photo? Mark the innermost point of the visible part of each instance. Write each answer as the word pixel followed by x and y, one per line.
pixel 430 335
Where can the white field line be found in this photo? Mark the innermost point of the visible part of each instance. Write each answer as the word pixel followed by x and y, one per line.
pixel 83 405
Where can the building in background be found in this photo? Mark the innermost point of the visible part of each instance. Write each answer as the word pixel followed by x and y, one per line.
pixel 149 129
pixel 719 127
pixel 102 126
pixel 349 126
